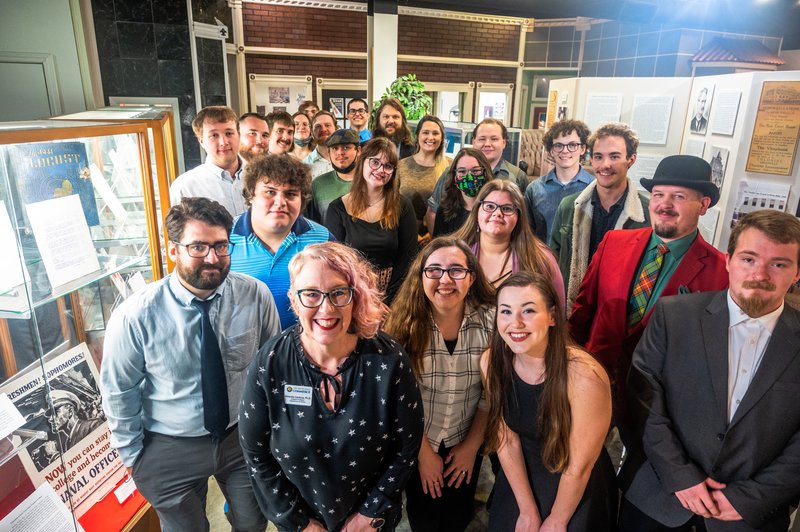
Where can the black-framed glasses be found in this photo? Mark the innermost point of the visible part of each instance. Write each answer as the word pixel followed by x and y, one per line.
pixel 571 147
pixel 456 273
pixel 313 298
pixel 505 209
pixel 376 163
pixel 361 111
pixel 200 250
pixel 476 170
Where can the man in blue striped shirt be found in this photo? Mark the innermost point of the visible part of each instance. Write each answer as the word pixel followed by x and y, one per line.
pixel 271 231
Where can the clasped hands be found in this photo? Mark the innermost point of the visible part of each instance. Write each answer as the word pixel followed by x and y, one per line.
pixel 707 500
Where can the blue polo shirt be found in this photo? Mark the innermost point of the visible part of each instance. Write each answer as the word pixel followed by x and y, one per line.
pixel 250 256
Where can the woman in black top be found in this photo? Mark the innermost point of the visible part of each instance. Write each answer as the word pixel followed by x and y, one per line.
pixel 465 178
pixel 331 420
pixel 374 218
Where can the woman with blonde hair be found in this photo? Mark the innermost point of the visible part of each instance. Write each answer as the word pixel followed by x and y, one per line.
pixel 497 230
pixel 549 412
pixel 374 218
pixel 443 317
pixel 329 421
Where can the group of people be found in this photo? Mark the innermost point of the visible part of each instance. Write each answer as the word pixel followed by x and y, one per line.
pixel 377 328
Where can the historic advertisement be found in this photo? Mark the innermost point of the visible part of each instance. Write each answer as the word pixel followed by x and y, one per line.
pixel 76 434
pixel 777 127
pixel 49 170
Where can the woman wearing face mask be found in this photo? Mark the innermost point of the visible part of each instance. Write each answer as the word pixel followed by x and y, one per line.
pixel 464 180
pixel 303 141
pixel 374 218
pixel 418 174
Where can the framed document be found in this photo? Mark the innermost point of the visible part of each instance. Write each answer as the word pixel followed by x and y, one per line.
pixel 775 133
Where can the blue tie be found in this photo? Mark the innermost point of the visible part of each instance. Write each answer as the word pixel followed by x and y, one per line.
pixel 212 377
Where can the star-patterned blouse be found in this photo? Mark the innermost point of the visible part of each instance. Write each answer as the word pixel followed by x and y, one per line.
pixel 308 461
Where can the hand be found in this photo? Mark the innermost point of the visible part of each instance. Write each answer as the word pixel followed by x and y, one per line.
pixel 358 523
pixel 550 525
pixel 315 526
pixel 726 510
pixel 430 471
pixel 130 471
pixel 528 523
pixel 460 463
pixel 698 500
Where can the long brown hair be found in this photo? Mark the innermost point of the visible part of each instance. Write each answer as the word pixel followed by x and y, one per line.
pixel 529 249
pixel 452 201
pixel 409 319
pixel 359 199
pixel 555 416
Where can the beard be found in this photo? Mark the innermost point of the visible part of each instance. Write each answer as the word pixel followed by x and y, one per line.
pixel 214 276
pixel 665 231
pixel 248 154
pixel 755 305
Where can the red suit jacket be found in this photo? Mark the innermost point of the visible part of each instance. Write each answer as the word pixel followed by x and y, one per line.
pixel 599 320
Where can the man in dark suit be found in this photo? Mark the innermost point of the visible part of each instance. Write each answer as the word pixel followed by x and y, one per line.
pixel 610 312
pixel 715 384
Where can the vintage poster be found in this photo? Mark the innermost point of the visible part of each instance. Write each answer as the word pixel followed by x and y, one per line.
pixel 75 457
pixel 48 170
pixel 775 133
pixel 279 95
pixel 754 196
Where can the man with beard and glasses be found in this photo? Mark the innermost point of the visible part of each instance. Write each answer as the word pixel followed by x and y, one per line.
pixel 272 230
pixel 392 124
pixel 343 147
pixel 714 386
pixel 281 133
pixel 632 268
pixel 174 362
pixel 253 136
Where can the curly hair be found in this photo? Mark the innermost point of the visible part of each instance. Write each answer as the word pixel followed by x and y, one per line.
pixel 403 134
pixel 411 313
pixel 452 200
pixel 277 169
pixel 565 127
pixel 368 308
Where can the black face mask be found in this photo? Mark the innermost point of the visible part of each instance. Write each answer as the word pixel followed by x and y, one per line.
pixel 347 169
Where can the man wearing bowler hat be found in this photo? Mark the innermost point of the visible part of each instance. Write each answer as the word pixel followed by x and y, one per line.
pixel 632 268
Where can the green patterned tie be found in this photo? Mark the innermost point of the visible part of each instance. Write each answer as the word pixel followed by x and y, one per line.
pixel 644 286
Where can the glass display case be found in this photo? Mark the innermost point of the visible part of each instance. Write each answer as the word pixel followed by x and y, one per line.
pixel 79 226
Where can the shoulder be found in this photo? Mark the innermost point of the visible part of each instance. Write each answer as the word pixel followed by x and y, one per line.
pixel 337 206
pixel 149 297
pixel 322 179
pixel 384 346
pixel 312 232
pixel 584 372
pixel 244 285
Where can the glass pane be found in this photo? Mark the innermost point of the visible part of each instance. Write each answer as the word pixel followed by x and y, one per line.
pixel 492 105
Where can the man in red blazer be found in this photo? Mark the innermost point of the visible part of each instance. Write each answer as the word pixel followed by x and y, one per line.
pixel 605 318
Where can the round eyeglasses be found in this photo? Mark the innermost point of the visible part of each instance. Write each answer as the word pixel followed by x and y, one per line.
pixel 201 251
pixel 313 298
pixel 571 147
pixel 505 210
pixel 456 273
pixel 376 163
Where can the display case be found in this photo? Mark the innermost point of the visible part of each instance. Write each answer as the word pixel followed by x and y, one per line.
pixel 79 226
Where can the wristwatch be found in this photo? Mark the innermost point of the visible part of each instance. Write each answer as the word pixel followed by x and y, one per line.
pixel 377 523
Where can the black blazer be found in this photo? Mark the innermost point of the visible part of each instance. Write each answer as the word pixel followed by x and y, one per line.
pixel 678 389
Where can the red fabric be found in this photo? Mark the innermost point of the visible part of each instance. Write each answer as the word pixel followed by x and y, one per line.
pixel 599 318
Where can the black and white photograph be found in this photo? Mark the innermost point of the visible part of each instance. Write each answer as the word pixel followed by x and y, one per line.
pixel 702 109
pixel 718 162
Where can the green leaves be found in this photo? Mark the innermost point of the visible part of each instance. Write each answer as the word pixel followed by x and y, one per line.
pixel 411 93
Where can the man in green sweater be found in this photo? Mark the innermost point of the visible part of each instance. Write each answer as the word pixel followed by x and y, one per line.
pixel 343 145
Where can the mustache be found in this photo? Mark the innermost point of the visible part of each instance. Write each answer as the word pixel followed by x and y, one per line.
pixel 668 212
pixel 759 285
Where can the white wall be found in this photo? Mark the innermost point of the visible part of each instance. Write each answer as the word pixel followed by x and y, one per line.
pixel 792 58
pixel 45 27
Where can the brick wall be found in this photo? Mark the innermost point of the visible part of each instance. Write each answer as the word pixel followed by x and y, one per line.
pixel 444 73
pixel 302 66
pixel 293 27
pixel 457 38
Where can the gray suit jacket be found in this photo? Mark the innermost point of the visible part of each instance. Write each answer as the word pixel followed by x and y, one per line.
pixel 678 386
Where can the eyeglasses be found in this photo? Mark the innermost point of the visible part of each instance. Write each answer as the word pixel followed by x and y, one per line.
pixel 313 298
pixel 361 111
pixel 201 251
pixel 572 146
pixel 505 210
pixel 376 163
pixel 461 172
pixel 456 273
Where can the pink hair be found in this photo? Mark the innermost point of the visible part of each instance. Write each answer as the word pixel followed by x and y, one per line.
pixel 369 310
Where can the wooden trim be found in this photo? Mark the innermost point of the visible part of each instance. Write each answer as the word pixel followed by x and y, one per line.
pixel 56 132
pixel 77 313
pixel 148 191
pixel 7 350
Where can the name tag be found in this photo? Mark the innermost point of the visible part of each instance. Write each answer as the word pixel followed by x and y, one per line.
pixel 297 395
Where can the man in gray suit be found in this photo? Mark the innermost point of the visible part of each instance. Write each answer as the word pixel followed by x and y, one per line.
pixel 715 386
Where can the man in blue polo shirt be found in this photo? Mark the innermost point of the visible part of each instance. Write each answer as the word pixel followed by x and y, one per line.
pixel 271 231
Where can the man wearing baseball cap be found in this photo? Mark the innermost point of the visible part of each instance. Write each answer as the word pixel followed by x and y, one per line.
pixel 343 147
pixel 632 268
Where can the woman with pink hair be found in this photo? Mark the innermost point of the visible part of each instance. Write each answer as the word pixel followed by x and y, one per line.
pixel 331 420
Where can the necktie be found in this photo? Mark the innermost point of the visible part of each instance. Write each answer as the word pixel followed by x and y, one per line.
pixel 643 288
pixel 212 377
